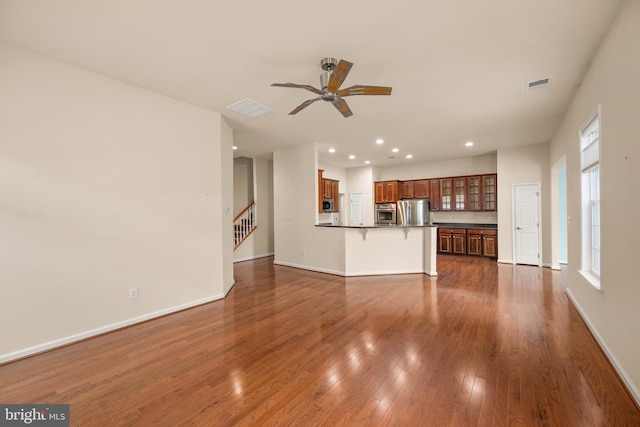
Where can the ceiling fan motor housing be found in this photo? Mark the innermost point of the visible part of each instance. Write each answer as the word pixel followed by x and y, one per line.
pixel 328 63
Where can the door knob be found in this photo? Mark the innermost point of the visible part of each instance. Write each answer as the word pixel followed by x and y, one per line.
pixel 518 228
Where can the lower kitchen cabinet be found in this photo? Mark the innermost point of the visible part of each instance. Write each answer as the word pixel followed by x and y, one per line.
pixel 452 241
pixel 482 242
pixel 461 241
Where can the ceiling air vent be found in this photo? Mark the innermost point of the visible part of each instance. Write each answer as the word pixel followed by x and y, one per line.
pixel 538 84
pixel 249 107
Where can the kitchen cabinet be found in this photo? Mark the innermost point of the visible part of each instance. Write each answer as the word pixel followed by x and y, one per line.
pixel 434 191
pixel 415 189
pixel 452 241
pixel 490 192
pixel 386 191
pixel 328 189
pixel 482 242
pixel 474 194
pixel 406 190
pixel 460 193
pixel 446 192
pixel 421 188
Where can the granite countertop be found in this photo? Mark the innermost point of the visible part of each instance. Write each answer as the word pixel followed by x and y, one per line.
pixel 461 225
pixel 374 226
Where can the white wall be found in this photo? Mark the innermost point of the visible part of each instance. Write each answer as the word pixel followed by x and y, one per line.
pixel 260 242
pixel 612 82
pixel 298 242
pixel 522 165
pixel 473 165
pixel 225 169
pixel 243 192
pixel 104 187
pixel 360 180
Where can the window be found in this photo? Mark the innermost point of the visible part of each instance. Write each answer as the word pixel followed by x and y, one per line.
pixel 590 163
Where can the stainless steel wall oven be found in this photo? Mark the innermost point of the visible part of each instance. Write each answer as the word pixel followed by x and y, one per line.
pixel 385 214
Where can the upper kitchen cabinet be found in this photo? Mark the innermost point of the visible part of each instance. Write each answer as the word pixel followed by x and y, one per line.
pixel 474 198
pixel 386 191
pixel 490 192
pixel 434 194
pixel 329 189
pixel 415 189
pixel 421 188
pixel 406 190
pixel 446 193
pixel 460 193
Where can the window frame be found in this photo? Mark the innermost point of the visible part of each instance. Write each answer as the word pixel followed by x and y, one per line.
pixel 590 196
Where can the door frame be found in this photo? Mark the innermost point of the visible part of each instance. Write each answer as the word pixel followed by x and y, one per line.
pixel 513 220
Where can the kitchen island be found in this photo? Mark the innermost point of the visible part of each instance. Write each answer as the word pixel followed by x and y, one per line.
pixel 377 250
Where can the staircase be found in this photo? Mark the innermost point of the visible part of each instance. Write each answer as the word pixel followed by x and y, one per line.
pixel 244 224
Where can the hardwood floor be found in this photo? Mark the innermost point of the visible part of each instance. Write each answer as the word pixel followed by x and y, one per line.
pixel 482 344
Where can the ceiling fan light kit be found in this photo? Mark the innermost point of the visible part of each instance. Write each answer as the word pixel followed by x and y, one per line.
pixel 331 79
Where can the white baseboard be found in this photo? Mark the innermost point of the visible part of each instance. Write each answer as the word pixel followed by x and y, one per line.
pixel 253 257
pixel 607 351
pixel 505 261
pixel 353 273
pixel 383 272
pixel 555 267
pixel 4 358
pixel 233 282
pixel 430 273
pixel 308 267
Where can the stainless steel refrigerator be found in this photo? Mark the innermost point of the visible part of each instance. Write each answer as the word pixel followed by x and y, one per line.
pixel 413 212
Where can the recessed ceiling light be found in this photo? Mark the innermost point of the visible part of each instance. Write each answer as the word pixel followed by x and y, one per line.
pixel 409 156
pixel 395 150
pixel 468 144
pixel 366 162
pixel 235 148
pixel 352 157
pixel 332 150
pixel 379 141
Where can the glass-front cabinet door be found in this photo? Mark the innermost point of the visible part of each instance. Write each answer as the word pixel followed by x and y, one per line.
pixel 445 194
pixel 473 186
pixel 490 189
pixel 461 193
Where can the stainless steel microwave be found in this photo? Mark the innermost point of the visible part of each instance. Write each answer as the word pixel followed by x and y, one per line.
pixel 327 205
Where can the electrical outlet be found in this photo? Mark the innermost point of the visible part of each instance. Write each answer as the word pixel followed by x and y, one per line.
pixel 133 293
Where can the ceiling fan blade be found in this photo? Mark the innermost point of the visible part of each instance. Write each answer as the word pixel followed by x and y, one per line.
pixel 338 75
pixel 294 85
pixel 304 105
pixel 342 106
pixel 364 90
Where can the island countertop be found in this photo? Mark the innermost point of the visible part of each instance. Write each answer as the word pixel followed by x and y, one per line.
pixel 394 226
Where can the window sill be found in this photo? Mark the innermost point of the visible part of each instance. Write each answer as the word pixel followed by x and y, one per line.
pixel 592 279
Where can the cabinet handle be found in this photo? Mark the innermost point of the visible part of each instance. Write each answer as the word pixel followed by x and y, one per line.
pixel 518 228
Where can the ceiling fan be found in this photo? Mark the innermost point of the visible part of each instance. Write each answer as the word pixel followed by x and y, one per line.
pixel 330 81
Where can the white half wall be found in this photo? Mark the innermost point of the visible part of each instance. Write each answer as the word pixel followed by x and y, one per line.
pixel 104 187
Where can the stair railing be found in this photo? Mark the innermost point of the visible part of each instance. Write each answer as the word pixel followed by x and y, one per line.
pixel 244 224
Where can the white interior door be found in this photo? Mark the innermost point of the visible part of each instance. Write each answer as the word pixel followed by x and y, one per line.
pixel 357 209
pixel 527 224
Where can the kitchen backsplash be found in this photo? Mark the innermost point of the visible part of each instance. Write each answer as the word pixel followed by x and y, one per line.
pixel 465 217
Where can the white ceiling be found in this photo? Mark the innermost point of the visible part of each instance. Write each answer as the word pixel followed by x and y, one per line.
pixel 459 68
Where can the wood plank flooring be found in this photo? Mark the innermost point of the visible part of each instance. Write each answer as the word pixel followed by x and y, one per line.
pixel 483 344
